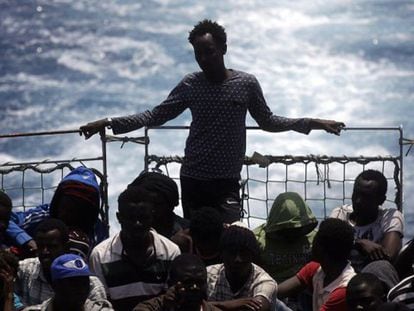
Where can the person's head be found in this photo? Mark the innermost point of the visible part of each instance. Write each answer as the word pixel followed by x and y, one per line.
pixel 239 248
pixel 209 41
pixel 164 192
pixel 369 193
pixel 135 215
pixel 8 264
pixel 190 271
pixel 333 242
pixel 364 292
pixel 52 241
pixel 206 228
pixel 76 200
pixel 290 217
pixel 5 211
pixel 70 282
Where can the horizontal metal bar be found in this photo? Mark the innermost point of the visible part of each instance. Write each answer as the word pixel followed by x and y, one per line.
pixel 39 133
pixel 7 164
pixel 184 127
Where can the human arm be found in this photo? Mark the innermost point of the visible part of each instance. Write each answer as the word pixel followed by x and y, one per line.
pixel 299 282
pixel 329 126
pixel 388 249
pixel 170 108
pixel 23 224
pixel 336 301
pixel 273 123
pixel 290 287
pixel 257 303
pixel 6 275
pixel 404 261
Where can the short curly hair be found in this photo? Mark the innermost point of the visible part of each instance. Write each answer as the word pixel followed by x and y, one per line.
pixel 208 26
pixel 336 238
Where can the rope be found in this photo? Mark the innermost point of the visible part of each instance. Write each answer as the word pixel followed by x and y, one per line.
pixel 138 140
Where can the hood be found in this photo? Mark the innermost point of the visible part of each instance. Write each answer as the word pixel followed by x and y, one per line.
pixel 79 182
pixel 289 211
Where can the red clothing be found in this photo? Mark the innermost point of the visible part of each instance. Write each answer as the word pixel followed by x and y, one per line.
pixel 334 299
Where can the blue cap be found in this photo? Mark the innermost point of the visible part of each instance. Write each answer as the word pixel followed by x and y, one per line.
pixel 67 266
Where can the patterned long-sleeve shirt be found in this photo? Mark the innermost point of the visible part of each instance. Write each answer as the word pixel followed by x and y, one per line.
pixel 216 144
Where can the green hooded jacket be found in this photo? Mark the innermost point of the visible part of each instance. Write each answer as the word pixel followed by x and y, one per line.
pixel 286 238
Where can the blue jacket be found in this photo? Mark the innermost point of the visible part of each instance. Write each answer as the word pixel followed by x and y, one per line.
pixel 22 225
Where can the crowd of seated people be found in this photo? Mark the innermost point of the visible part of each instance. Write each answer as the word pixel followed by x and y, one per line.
pixel 55 256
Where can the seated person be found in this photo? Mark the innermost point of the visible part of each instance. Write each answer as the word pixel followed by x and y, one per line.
pixel 133 264
pixel 70 281
pixel 75 202
pixel 405 260
pixel 238 283
pixel 378 231
pixel 165 199
pixel 403 292
pixel 365 292
pixel 33 283
pixel 188 288
pixel 384 271
pixel 327 277
pixel 203 236
pixel 8 272
pixel 5 214
pixel 286 238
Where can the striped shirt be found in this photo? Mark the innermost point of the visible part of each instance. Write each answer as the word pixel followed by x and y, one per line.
pixel 216 144
pixel 126 284
pixel 403 292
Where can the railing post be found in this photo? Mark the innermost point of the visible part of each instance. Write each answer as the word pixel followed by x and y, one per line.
pixel 102 133
pixel 146 149
pixel 401 194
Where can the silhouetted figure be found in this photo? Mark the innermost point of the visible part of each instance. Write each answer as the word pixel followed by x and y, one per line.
pixel 218 99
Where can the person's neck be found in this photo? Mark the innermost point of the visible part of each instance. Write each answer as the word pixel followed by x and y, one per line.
pixel 237 281
pixel 218 76
pixel 332 272
pixel 363 220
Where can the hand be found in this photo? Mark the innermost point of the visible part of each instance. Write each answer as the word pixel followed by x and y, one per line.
pixel 171 297
pixel 31 247
pixel 330 126
pixel 92 128
pixel 6 275
pixel 373 250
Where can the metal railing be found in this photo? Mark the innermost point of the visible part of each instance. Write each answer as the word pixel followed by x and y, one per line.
pixel 321 166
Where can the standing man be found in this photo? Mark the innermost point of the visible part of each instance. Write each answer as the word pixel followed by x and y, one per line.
pixel 218 99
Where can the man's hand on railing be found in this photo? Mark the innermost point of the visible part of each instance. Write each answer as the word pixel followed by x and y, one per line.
pixel 94 127
pixel 330 126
